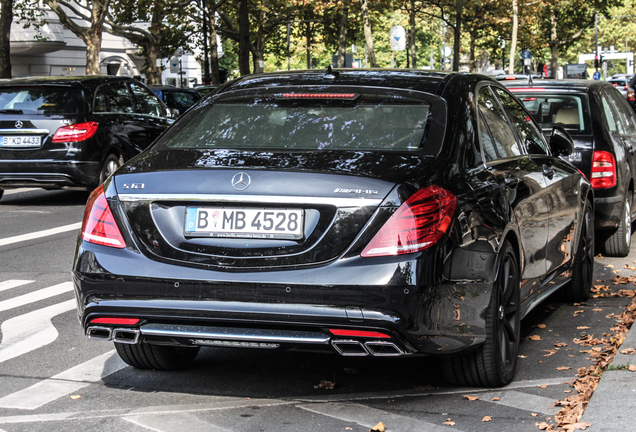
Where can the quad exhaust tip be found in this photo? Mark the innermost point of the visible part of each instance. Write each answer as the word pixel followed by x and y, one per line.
pixel 120 335
pixel 377 348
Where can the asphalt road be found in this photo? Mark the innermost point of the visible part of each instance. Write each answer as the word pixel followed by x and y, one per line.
pixel 53 378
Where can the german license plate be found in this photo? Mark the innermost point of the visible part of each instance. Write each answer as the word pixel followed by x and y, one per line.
pixel 20 141
pixel 244 223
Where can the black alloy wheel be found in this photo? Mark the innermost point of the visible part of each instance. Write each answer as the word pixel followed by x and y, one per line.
pixel 157 357
pixel 111 164
pixel 618 242
pixel 493 364
pixel 580 286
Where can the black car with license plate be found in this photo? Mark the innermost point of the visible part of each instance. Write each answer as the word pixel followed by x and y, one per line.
pixel 72 132
pixel 603 127
pixel 368 212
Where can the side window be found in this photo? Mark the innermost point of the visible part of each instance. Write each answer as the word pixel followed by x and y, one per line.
pixel 622 110
pixel 147 102
pixel 532 138
pixel 113 98
pixel 503 137
pixel 485 140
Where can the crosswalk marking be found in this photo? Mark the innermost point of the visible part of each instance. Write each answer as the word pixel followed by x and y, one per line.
pixel 40 234
pixel 13 283
pixel 64 383
pixel 36 296
pixel 171 422
pixel 520 400
pixel 369 417
pixel 30 331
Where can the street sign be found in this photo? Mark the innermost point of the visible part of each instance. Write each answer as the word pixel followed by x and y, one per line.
pixel 398 38
pixel 596 76
pixel 174 64
pixel 527 55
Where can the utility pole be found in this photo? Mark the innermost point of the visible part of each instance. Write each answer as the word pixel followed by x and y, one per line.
pixel 206 60
pixel 596 58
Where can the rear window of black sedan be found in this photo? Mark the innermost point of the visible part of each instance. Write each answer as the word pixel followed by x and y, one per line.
pixel 306 121
pixel 45 100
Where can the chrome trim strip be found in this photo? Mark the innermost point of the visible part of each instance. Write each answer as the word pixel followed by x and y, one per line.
pixel 24 131
pixel 268 199
pixel 234 334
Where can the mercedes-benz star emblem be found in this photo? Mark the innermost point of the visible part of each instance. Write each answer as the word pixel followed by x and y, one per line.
pixel 19 124
pixel 241 181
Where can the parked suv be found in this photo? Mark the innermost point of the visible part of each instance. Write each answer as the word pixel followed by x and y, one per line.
pixel 603 127
pixel 73 132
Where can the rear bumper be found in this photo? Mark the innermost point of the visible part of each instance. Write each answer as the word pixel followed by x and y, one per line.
pixel 216 306
pixel 608 212
pixel 48 174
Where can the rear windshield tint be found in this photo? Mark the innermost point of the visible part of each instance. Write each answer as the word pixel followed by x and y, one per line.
pixel 40 100
pixel 572 111
pixel 359 122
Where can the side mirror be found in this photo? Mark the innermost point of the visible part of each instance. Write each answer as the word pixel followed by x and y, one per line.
pixel 561 143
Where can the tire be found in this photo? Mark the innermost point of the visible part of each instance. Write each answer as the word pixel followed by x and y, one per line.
pixel 157 357
pixel 618 243
pixel 580 286
pixel 111 164
pixel 1 193
pixel 493 363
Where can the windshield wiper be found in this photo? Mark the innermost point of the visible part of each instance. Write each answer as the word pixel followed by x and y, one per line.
pixel 11 111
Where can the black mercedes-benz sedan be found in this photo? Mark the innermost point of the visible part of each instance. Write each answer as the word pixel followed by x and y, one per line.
pixel 370 212
pixel 73 132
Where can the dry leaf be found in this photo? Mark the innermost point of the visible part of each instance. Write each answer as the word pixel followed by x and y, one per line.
pixel 486 419
pixel 471 398
pixel 74 397
pixel 632 368
pixel 534 414
pixel 348 428
pixel 581 425
pixel 534 337
pixel 549 353
pixel 628 351
pixel 522 356
pixel 560 344
pixel 563 368
pixel 378 428
pixel 541 326
pixel 582 328
pixel 495 399
pixel 449 422
pixel 325 385
pixel 543 426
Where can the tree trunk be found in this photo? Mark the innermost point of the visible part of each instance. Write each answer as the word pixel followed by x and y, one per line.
pixel 342 38
pixel 515 29
pixel 457 34
pixel 472 62
pixel 309 40
pixel 554 44
pixel 153 50
pixel 368 35
pixel 244 38
pixel 214 48
pixel 93 41
pixel 6 18
pixel 412 32
pixel 258 55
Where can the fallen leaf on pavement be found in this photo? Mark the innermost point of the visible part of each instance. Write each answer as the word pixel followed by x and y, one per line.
pixel 325 385
pixel 582 328
pixel 471 398
pixel 534 337
pixel 628 351
pixel 74 397
pixel 541 325
pixel 495 399
pixel 486 419
pixel 632 368
pixel 534 414
pixel 543 426
pixel 522 356
pixel 543 386
pixel 449 422
pixel 549 352
pixel 378 428
pixel 563 368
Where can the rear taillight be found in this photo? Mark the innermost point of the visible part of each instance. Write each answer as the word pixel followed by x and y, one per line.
pixel 99 225
pixel 76 132
pixel 603 170
pixel 418 224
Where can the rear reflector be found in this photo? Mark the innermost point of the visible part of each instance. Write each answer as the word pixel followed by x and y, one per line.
pixel 337 96
pixel 358 333
pixel 603 170
pixel 99 225
pixel 115 321
pixel 76 132
pixel 418 224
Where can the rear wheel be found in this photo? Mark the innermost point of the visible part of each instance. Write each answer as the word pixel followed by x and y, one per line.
pixel 494 362
pixel 111 164
pixel 617 244
pixel 1 193
pixel 158 357
pixel 580 286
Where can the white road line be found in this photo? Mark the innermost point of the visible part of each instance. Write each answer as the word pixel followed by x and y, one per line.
pixel 39 234
pixel 174 423
pixel 31 331
pixel 15 191
pixel 34 296
pixel 369 417
pixel 64 383
pixel 13 283
pixel 520 400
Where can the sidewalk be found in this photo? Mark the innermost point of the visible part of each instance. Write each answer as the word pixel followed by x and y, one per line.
pixel 612 407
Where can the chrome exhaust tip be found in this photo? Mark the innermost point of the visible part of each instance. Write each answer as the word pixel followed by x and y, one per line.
pixel 349 348
pixel 99 333
pixel 126 335
pixel 383 349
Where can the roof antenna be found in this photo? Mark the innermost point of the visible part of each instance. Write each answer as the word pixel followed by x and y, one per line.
pixel 331 73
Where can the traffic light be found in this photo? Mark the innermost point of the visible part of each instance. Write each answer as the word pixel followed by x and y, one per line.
pixel 596 64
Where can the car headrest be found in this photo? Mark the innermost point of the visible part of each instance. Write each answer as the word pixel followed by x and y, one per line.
pixel 569 116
